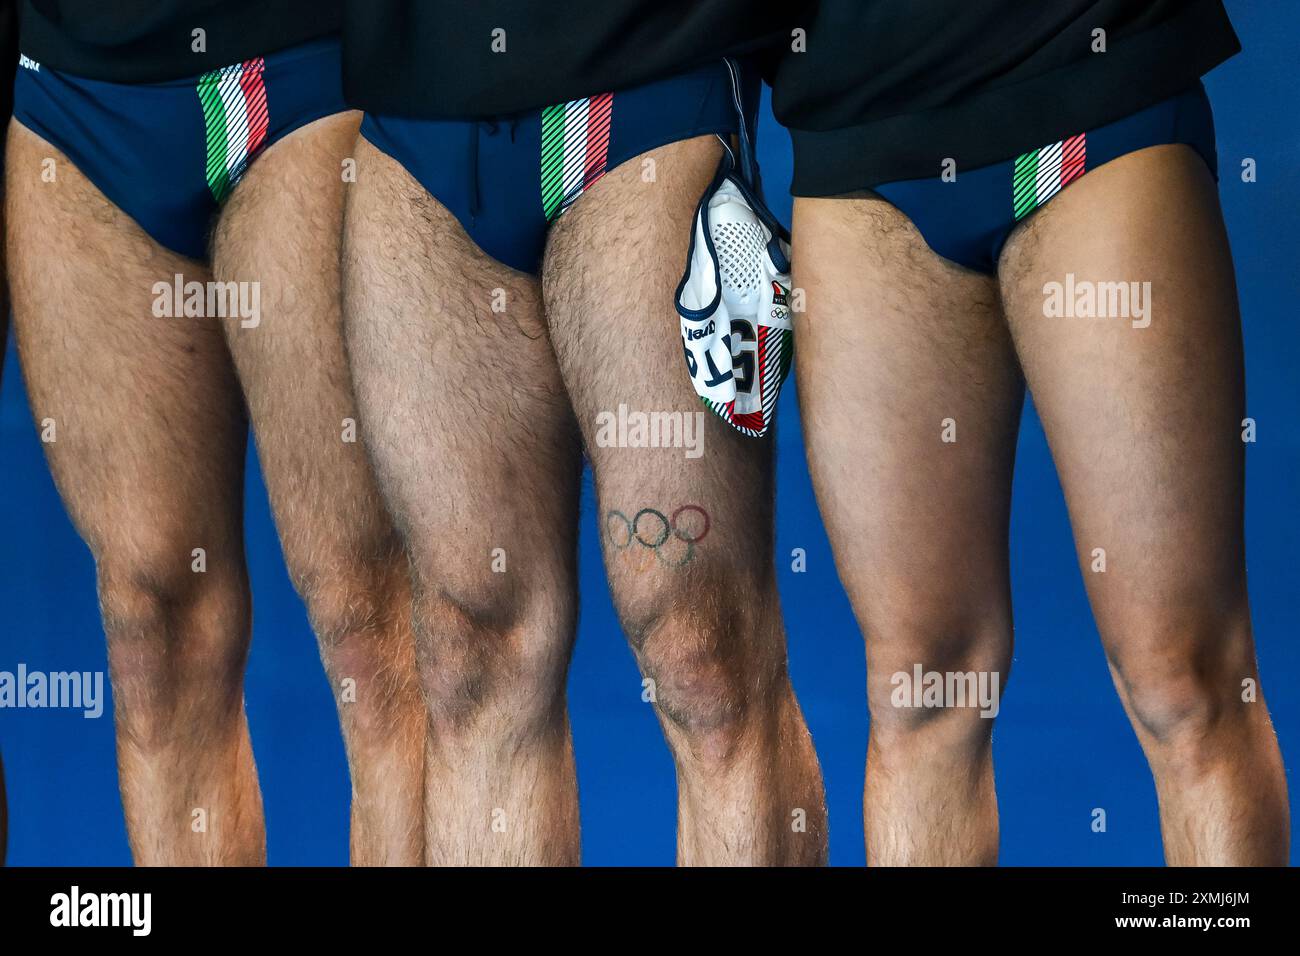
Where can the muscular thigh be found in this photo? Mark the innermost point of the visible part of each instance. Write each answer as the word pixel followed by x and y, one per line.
pixel 611 267
pixel 278 236
pixel 461 401
pixel 1143 413
pixel 910 398
pixel 140 413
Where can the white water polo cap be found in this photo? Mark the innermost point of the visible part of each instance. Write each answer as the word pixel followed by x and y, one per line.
pixel 734 305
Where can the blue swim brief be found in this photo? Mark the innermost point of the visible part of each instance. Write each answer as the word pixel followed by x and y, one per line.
pixel 970 218
pixel 506 179
pixel 169 154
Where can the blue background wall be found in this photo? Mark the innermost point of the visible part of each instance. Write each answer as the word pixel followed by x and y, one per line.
pixel 1062 743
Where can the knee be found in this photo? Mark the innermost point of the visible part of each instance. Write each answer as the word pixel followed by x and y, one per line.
pixel 359 609
pixel 937 680
pixel 492 664
pixel 1182 679
pixel 715 664
pixel 177 636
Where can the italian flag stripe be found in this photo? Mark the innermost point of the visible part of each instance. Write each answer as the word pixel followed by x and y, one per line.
pixel 1041 174
pixel 1074 161
pixel 253 83
pixel 214 122
pixel 573 164
pixel 575 149
pixel 552 158
pixel 599 115
pixel 235 117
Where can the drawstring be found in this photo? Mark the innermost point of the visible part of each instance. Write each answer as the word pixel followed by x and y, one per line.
pixel 748 159
pixel 492 127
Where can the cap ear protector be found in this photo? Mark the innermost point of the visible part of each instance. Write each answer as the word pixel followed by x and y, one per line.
pixel 733 299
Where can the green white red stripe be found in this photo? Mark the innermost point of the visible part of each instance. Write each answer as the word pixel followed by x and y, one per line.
pixel 236 118
pixel 575 149
pixel 1041 174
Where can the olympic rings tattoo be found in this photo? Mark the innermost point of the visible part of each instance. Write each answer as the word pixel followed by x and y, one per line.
pixel 653 529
